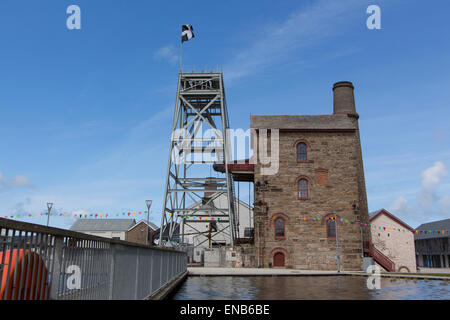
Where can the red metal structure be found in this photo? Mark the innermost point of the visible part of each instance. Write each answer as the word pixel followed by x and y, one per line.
pixel 27 272
pixel 381 259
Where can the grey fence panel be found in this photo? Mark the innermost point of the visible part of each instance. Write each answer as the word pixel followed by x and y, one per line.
pixel 39 262
pixel 157 280
pixel 125 273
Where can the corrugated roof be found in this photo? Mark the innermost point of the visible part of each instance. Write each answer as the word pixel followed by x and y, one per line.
pixel 102 224
pixel 435 225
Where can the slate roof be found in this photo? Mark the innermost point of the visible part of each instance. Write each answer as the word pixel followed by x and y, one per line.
pixel 151 224
pixel 435 225
pixel 303 122
pixel 103 224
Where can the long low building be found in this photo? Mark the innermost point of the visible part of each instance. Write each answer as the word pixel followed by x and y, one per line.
pixel 433 247
pixel 107 228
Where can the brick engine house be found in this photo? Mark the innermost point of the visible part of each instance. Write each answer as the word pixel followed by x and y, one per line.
pixel 320 175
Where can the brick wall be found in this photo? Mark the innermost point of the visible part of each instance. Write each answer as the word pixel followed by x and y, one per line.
pixel 336 181
pixel 138 234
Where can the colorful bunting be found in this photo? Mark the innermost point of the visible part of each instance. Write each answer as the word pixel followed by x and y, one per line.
pixel 106 215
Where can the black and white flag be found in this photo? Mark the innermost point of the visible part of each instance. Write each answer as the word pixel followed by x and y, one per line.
pixel 187 32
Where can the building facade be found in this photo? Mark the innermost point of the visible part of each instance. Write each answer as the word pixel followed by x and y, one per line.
pixel 320 174
pixel 142 232
pixel 396 244
pixel 433 247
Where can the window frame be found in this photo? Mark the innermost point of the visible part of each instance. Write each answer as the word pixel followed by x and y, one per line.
pixel 297 151
pixel 327 224
pixel 275 227
pixel 295 145
pixel 307 188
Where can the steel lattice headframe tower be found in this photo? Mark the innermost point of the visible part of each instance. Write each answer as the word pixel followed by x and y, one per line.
pixel 200 104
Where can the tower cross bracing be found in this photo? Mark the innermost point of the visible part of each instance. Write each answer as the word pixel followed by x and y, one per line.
pixel 199 140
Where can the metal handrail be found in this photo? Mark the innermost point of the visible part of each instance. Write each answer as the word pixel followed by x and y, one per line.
pixel 38 262
pixel 382 258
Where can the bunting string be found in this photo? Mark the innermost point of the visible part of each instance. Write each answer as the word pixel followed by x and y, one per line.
pixel 77 215
pixel 374 226
pixel 205 218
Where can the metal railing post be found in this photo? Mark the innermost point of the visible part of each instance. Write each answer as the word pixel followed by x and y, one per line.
pixel 151 272
pixel 111 271
pixel 57 269
pixel 136 280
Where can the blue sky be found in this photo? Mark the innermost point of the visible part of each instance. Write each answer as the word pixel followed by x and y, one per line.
pixel 85 114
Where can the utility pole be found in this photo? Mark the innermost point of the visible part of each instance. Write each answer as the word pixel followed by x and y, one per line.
pixel 148 204
pixel 337 257
pixel 49 208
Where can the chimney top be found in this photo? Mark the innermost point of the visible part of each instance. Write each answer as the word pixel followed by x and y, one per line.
pixel 343 98
pixel 343 84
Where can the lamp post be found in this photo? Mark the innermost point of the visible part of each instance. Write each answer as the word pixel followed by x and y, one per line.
pixel 49 207
pixel 148 204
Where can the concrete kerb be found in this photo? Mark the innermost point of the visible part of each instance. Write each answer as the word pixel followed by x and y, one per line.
pixel 255 272
pixel 169 288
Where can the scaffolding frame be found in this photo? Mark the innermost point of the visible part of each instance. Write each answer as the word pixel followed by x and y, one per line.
pixel 200 101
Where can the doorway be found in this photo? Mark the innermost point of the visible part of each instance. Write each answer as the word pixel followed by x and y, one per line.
pixel 278 259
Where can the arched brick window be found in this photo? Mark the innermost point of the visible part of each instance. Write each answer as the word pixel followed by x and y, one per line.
pixel 280 228
pixel 279 225
pixel 331 226
pixel 303 188
pixel 302 153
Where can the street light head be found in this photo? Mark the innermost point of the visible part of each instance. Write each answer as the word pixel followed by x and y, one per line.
pixel 148 203
pixel 49 205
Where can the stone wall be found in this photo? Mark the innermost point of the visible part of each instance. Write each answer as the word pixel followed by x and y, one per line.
pixel 334 171
pixel 396 245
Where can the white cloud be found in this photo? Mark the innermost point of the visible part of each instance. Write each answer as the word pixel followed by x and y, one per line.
pixel 300 30
pixel 431 178
pixel 428 204
pixel 167 53
pixel 400 205
pixel 21 207
pixel 19 181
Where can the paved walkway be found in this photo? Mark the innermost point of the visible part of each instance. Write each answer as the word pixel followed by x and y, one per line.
pixel 200 271
pixel 433 270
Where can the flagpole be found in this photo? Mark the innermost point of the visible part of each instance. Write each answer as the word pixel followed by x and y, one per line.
pixel 181 57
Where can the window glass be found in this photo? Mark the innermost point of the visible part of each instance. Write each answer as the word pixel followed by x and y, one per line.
pixel 279 227
pixel 331 229
pixel 303 188
pixel 301 152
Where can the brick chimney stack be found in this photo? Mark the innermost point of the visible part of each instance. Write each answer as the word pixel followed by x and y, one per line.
pixel 343 98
